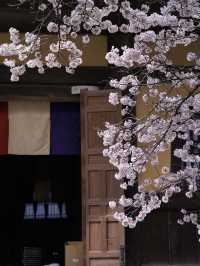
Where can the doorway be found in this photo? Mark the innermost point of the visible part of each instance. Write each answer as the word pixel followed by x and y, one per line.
pixel 54 182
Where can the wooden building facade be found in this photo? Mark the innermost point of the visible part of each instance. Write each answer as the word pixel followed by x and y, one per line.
pixel 92 237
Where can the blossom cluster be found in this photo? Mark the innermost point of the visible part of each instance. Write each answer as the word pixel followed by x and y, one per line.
pixel 169 91
pixel 172 114
pixel 190 217
pixel 22 53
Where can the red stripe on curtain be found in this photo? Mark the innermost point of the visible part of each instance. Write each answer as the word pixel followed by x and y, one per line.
pixel 3 128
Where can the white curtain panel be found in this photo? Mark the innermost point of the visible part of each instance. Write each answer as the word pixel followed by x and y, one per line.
pixel 40 211
pixel 29 127
pixel 29 211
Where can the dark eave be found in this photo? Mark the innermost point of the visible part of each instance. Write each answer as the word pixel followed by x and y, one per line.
pixel 53 83
pixel 82 76
pixel 18 18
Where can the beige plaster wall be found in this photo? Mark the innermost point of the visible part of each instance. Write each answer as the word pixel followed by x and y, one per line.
pixel 93 53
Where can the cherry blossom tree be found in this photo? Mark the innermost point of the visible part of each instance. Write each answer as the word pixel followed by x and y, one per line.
pixel 169 92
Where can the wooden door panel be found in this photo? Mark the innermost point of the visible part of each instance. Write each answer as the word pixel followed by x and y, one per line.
pixel 102 235
pixel 94 101
pixel 104 262
pixel 96 159
pixel 97 120
pixel 95 235
pixel 96 185
pixel 113 187
pixel 113 235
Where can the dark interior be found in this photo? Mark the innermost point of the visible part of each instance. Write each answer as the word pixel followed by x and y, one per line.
pixel 160 240
pixel 20 175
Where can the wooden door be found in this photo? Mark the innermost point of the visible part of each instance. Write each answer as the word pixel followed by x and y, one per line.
pixel 102 235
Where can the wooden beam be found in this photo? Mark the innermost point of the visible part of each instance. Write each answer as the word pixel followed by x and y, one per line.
pixel 54 83
pixel 82 76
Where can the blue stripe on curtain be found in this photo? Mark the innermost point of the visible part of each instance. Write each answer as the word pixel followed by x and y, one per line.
pixel 65 128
